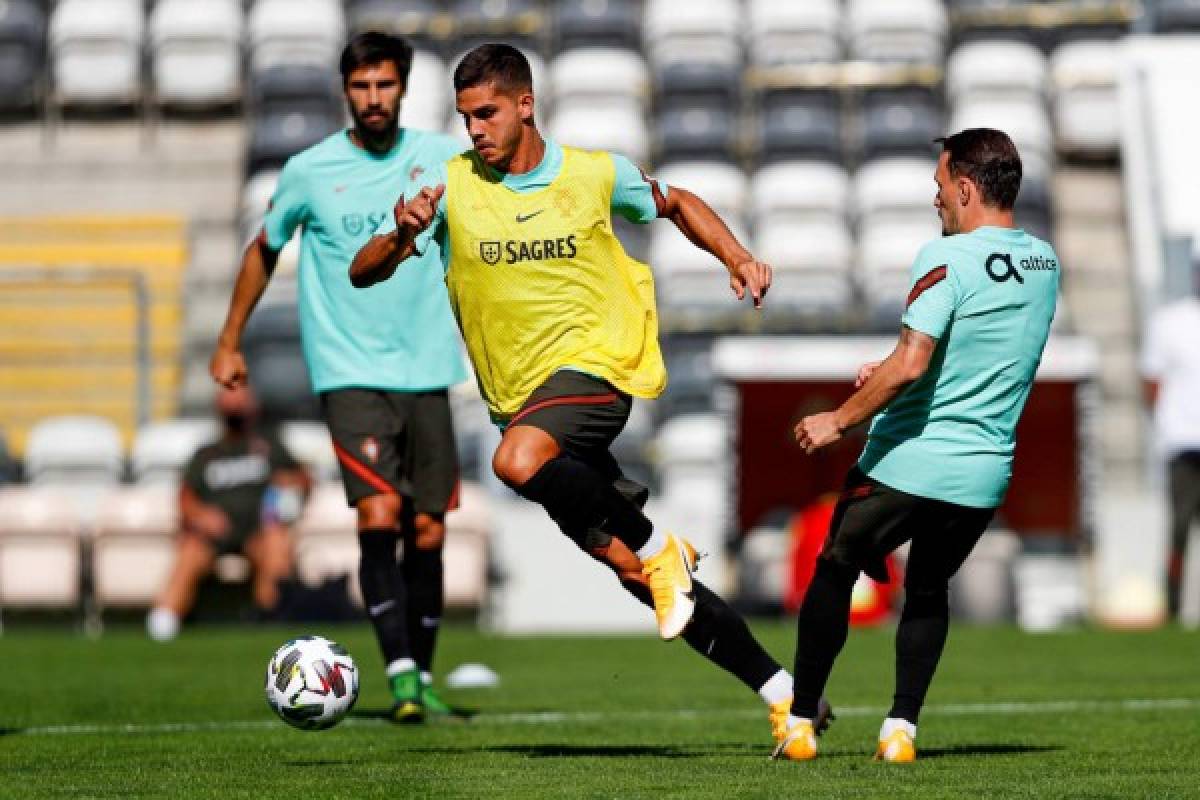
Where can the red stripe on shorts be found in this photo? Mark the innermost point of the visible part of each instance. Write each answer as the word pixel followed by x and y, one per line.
pixel 933 278
pixel 567 400
pixel 362 470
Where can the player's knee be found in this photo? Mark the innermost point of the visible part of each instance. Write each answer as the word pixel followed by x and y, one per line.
pixel 379 511
pixel 926 597
pixel 515 463
pixel 429 532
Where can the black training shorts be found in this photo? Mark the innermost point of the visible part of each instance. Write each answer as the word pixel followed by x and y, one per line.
pixel 395 443
pixel 872 519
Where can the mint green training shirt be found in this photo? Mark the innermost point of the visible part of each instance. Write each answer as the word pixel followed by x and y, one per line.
pixel 398 335
pixel 988 297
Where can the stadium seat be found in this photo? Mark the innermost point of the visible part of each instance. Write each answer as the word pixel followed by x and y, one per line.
pixel 326 545
pixel 468 532
pixel 296 87
pixel 162 449
pixel 892 187
pixel 616 125
pixel 697 84
pixel 516 22
pixel 812 263
pixel 800 127
pixel 971 70
pixel 697 133
pixel 722 185
pixel 279 136
pixel 1034 210
pixel 1174 16
pixel 22 54
pixel 709 31
pixel 310 444
pixel 133 545
pixel 295 32
pixel 40 548
pixel 912 32
pixel 587 24
pixel 785 32
pixel 74 450
pixel 196 52
pixel 694 459
pixel 800 190
pixel 1087 120
pixel 428 96
pixel 691 386
pixel 1024 119
pixel 256 197
pixel 96 52
pixel 599 74
pixel 689 279
pixel 886 250
pixel 899 122
pixel 415 20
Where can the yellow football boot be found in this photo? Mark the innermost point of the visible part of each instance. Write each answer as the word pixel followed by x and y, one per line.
pixel 669 575
pixel 898 748
pixel 798 743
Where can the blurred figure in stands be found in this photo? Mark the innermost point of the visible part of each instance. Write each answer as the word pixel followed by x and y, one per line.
pixel 239 495
pixel 1171 383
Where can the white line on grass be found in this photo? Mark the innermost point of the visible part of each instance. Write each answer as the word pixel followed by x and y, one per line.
pixel 564 717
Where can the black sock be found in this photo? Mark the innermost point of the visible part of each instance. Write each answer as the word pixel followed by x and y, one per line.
pixel 579 499
pixel 822 626
pixel 719 634
pixel 423 577
pixel 920 639
pixel 383 591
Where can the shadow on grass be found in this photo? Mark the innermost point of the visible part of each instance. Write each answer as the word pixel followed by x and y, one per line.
pixel 987 750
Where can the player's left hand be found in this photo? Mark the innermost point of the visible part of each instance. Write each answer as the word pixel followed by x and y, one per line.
pixel 817 431
pixel 753 276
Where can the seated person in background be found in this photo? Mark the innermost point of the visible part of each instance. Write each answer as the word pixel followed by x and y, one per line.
pixel 238 494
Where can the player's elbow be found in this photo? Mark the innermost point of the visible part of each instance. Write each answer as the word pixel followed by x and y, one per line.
pixel 362 269
pixel 912 368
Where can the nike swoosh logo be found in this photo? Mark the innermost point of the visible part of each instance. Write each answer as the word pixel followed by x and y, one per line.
pixel 527 217
pixel 375 611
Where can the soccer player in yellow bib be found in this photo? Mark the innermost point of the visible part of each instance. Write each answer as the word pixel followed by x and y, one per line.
pixel 561 327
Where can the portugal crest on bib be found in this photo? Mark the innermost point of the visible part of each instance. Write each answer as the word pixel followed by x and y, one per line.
pixel 490 253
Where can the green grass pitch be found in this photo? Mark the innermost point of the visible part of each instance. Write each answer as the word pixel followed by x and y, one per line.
pixel 1079 714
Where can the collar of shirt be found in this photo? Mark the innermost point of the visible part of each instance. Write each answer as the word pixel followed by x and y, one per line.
pixel 540 176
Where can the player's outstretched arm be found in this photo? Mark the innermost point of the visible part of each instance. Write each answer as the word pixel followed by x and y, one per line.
pixel 907 363
pixel 228 365
pixel 706 230
pixel 379 257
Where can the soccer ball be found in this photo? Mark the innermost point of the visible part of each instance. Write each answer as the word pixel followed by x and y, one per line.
pixel 311 683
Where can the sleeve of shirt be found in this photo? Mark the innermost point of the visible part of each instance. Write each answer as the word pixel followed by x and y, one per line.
pixel 280 457
pixel 1154 352
pixel 633 191
pixel 429 178
pixel 288 207
pixel 935 293
pixel 193 474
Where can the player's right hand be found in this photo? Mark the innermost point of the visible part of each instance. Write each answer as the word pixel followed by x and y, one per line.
pixel 865 372
pixel 415 215
pixel 228 367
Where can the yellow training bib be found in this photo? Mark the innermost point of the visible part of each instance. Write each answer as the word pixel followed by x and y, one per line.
pixel 540 282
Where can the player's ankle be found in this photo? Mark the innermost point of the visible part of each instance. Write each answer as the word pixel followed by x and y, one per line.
pixel 654 545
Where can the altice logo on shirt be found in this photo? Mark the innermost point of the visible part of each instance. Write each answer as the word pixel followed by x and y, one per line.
pixel 1000 274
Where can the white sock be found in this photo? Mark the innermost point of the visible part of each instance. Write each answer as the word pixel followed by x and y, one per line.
pixel 653 546
pixel 777 689
pixel 891 725
pixel 426 678
pixel 793 721
pixel 162 624
pixel 401 665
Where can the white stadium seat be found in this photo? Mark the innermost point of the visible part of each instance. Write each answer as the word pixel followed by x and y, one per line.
pixel 1086 117
pixel 708 31
pixel 619 126
pixel 972 69
pixel 892 186
pixel 886 251
pixel 70 450
pixel 133 545
pixel 1023 119
pixel 197 51
pixel 800 189
pixel 723 186
pixel 428 96
pixel 40 552
pixel 310 444
pixel 789 32
pixel 296 32
pixel 600 73
pixel 162 449
pixel 326 544
pixel 687 277
pixel 468 533
pixel 96 48
pixel 909 32
pixel 812 260
pixel 256 197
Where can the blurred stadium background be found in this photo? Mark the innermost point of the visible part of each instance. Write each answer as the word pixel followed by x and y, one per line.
pixel 140 142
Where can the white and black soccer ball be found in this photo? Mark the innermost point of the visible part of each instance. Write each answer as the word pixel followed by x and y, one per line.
pixel 311 683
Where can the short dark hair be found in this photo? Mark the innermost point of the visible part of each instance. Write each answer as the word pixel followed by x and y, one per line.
pixel 374 47
pixel 990 159
pixel 501 64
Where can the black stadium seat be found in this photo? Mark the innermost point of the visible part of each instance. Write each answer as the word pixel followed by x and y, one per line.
pixel 412 19
pixel 697 133
pixel 516 22
pixel 900 123
pixel 296 87
pixel 279 135
pixel 586 23
pixel 697 83
pixel 22 53
pixel 1174 16
pixel 800 125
